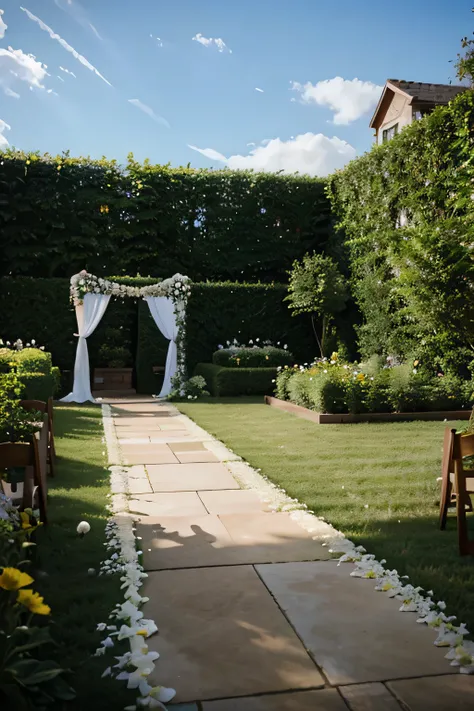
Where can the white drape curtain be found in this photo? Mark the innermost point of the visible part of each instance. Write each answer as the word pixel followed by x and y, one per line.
pixel 88 318
pixel 162 311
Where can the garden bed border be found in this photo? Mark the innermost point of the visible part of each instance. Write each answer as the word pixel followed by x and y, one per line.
pixel 347 418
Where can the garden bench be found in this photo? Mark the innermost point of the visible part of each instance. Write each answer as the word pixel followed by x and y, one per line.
pixel 457 484
pixel 41 406
pixel 32 457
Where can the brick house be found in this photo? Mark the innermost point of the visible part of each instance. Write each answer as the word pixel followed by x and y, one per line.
pixel 405 101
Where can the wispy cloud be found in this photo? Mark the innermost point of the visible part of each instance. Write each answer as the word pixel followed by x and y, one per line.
pixel 308 153
pixel 149 112
pixel 212 42
pixel 15 66
pixel 158 39
pixel 77 12
pixel 3 26
pixel 66 71
pixel 349 99
pixel 60 78
pixel 3 127
pixel 65 45
pixel 258 89
pixel 209 153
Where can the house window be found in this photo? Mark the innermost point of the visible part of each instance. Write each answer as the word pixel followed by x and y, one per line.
pixel 417 115
pixel 389 133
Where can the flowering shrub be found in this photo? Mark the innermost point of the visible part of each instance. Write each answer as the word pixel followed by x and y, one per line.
pixel 16 423
pixel 333 386
pixel 25 682
pixel 34 367
pixel 254 355
pixel 192 389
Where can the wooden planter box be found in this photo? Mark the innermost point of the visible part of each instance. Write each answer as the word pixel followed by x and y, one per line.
pixel 328 419
pixel 113 379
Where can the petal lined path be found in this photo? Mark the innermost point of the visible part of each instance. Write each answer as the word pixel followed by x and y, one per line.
pixel 253 615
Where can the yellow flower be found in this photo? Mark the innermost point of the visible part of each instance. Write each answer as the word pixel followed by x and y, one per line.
pixel 360 377
pixel 267 357
pixel 26 524
pixel 334 356
pixel 33 602
pixel 14 579
pixel 416 362
pixel 104 208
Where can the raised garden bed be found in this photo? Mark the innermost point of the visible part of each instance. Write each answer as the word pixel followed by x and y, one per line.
pixel 332 419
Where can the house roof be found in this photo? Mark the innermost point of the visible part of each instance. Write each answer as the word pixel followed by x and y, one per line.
pixel 419 91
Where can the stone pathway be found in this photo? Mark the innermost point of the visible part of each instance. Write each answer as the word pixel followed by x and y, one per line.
pixel 253 615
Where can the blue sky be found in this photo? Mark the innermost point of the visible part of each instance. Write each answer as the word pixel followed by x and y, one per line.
pixel 202 92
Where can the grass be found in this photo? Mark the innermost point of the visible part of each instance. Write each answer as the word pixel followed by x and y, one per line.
pixel 79 601
pixel 374 482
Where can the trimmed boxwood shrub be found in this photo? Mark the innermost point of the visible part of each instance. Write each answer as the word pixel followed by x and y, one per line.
pixel 38 386
pixel 32 360
pixel 223 382
pixel 253 357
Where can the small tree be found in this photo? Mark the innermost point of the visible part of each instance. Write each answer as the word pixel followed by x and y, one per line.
pixel 317 288
pixel 465 62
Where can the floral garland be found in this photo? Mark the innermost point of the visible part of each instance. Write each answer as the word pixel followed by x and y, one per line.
pixel 177 288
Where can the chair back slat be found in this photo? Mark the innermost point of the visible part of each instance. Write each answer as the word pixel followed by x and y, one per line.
pixel 33 405
pixel 463 446
pixel 16 454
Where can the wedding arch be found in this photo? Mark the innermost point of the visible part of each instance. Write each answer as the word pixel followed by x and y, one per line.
pixel 167 302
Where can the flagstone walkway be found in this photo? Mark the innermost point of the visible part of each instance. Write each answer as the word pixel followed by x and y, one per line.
pixel 252 613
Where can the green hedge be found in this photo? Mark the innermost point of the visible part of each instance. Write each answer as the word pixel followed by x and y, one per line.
pixel 225 382
pixel 59 215
pixel 407 214
pixel 253 357
pixel 39 386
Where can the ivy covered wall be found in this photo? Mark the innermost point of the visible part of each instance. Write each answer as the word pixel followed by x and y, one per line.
pixel 60 215
pixel 406 211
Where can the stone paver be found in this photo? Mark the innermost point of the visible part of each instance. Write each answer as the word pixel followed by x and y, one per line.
pixel 323 700
pixel 230 502
pixel 138 482
pixel 187 447
pixel 190 457
pixel 183 503
pixel 147 454
pixel 190 477
pixel 138 425
pixel 354 633
pixel 369 697
pixel 169 436
pixel 202 541
pixel 436 693
pixel 222 635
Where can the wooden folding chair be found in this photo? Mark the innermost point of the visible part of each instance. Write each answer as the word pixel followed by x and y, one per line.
pixel 26 455
pixel 43 407
pixel 449 492
pixel 463 446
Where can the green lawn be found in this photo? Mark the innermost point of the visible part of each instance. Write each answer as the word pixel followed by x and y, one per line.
pixel 339 470
pixel 79 601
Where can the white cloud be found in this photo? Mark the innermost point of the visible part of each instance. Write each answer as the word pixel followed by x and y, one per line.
pixel 251 143
pixel 212 42
pixel 15 65
pixel 308 153
pixel 149 111
pixel 209 153
pixel 66 71
pixel 64 44
pixel 94 30
pixel 3 127
pixel 3 25
pixel 349 99
pixel 60 78
pixel 158 39
pixel 258 89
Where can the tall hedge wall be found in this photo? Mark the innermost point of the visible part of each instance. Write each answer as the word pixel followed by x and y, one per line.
pixel 60 215
pixel 39 309
pixel 406 209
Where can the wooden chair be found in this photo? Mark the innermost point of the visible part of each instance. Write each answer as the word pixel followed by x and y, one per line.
pixel 31 457
pixel 43 407
pixel 449 492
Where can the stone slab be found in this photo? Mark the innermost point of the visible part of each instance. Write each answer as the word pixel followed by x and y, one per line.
pixel 230 502
pixel 187 447
pixel 147 454
pixel 173 424
pixel 221 635
pixel 169 436
pixel 273 538
pixel 369 697
pixel 190 477
pixel 436 693
pixel 190 457
pixel 184 503
pixel 134 440
pixel 171 542
pixel 324 700
pixel 137 424
pixel 138 482
pixel 354 633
